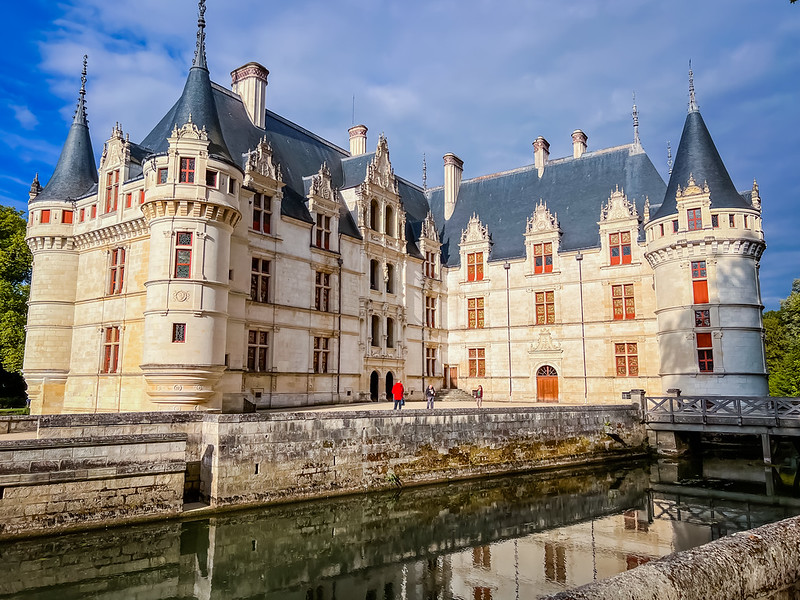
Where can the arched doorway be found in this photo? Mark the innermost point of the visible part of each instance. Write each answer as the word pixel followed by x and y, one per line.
pixel 373 386
pixel 389 384
pixel 546 384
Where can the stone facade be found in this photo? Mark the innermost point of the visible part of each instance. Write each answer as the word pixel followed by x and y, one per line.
pixel 234 259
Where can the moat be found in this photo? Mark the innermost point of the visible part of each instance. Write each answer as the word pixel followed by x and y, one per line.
pixel 501 538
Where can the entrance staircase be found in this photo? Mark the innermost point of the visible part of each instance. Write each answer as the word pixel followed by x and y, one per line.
pixel 454 396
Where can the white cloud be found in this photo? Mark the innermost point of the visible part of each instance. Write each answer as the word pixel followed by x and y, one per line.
pixel 24 116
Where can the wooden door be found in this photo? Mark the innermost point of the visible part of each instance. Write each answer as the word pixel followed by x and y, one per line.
pixel 546 384
pixel 453 378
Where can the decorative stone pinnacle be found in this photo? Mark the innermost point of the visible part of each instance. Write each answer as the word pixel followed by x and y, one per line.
pixel 200 50
pixel 669 157
pixel 80 109
pixel 635 113
pixel 692 101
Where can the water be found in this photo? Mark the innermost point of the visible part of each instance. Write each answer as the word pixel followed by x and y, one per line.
pixel 497 539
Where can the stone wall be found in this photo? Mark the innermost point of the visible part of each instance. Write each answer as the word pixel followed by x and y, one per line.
pixel 56 484
pixel 85 470
pixel 17 424
pixel 761 563
pixel 286 456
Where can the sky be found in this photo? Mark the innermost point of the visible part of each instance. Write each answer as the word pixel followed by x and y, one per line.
pixel 478 78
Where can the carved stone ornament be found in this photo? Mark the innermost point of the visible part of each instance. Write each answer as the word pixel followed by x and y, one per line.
pixel 755 198
pixel 545 343
pixel 646 209
pixel 475 231
pixel 379 170
pixel 189 131
pixel 181 296
pixel 691 189
pixel 429 228
pixel 260 161
pixel 542 220
pixel 321 183
pixel 618 207
pixel 117 150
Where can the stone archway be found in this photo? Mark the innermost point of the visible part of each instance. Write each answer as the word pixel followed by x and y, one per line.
pixel 374 378
pixel 389 384
pixel 546 384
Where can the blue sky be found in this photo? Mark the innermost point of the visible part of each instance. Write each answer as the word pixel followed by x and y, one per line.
pixel 478 78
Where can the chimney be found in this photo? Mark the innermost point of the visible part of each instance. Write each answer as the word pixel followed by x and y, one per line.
pixel 250 82
pixel 358 140
pixel 578 143
pixel 541 152
pixel 453 168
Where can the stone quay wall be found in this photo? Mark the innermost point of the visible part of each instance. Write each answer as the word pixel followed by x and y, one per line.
pixel 762 564
pixel 57 484
pixel 90 470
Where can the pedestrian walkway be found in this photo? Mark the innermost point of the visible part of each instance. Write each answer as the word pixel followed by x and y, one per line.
pixel 416 404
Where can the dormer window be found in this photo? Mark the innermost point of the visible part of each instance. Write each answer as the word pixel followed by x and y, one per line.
pixel 187 170
pixel 323 232
pixel 620 247
pixel 429 267
pixel 543 258
pixel 694 219
pixel 475 266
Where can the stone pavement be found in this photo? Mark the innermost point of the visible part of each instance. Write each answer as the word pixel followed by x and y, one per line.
pixel 415 404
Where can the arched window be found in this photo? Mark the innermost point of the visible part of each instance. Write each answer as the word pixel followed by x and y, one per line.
pixel 374 215
pixel 390 333
pixel 374 270
pixel 390 279
pixel 389 222
pixel 376 331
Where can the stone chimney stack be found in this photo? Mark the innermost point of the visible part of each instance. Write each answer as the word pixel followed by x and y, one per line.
pixel 578 143
pixel 453 169
pixel 250 82
pixel 541 152
pixel 358 140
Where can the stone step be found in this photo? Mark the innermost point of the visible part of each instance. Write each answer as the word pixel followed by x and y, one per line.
pixel 455 395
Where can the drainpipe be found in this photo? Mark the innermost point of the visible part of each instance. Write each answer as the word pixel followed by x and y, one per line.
pixel 579 258
pixel 339 262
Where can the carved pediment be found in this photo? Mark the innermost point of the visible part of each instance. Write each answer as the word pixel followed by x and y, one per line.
pixel 379 171
pixel 692 189
pixel 618 208
pixel 475 232
pixel 117 150
pixel 189 131
pixel 545 343
pixel 429 229
pixel 321 183
pixel 259 161
pixel 542 220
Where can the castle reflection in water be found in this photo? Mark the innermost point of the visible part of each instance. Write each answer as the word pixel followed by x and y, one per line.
pixel 497 539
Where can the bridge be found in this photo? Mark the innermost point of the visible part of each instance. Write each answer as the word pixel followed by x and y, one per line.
pixel 671 419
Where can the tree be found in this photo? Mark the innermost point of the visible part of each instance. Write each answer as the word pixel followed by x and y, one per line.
pixel 15 274
pixel 783 345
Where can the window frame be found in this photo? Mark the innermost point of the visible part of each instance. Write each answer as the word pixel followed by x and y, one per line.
pixel 179 333
pixel 321 356
pixel 475 268
pixel 475 312
pixel 545 307
pixel 116 271
pixel 262 213
pixel 620 250
pixel 430 311
pixel 694 219
pixel 112 191
pixel 111 348
pixel 44 216
pixel 623 301
pixel 182 250
pixel 162 174
pixel 430 361
pixel 626 362
pixel 543 258
pixel 187 170
pixel 322 232
pixel 260 279
pixel 705 352
pixel 476 360
pixel 699 273
pixel 322 291
pixel 67 217
pixel 257 360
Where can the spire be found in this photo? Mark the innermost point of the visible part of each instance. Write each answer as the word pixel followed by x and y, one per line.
pixel 424 173
pixel 635 113
pixel 669 157
pixel 80 110
pixel 76 171
pixel 692 102
pixel 200 51
pixel 697 159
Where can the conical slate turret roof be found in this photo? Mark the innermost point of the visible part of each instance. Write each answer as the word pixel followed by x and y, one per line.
pixel 697 157
pixel 76 172
pixel 196 101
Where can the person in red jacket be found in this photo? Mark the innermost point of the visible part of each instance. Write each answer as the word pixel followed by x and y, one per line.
pixel 397 394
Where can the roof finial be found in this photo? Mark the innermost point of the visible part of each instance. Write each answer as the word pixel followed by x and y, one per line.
pixel 669 158
pixel 636 140
pixel 200 51
pixel 692 102
pixel 80 110
pixel 424 173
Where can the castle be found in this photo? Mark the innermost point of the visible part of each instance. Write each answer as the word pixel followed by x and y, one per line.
pixel 232 255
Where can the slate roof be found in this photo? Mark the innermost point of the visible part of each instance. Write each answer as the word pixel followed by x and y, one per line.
pixel 697 156
pixel 574 189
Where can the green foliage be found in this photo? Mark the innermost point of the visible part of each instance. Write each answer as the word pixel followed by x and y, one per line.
pixel 783 345
pixel 15 273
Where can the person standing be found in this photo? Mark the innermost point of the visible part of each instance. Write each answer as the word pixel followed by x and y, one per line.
pixel 397 393
pixel 430 394
pixel 479 396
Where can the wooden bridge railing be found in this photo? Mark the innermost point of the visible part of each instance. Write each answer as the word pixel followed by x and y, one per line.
pixel 722 410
